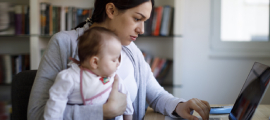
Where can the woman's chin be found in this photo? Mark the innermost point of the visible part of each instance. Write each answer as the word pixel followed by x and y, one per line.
pixel 126 43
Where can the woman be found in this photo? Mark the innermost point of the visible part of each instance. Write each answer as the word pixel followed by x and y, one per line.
pixel 126 18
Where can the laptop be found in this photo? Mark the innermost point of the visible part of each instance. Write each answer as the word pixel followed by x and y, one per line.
pixel 251 94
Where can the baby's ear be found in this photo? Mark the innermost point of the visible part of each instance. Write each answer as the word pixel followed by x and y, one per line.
pixel 94 62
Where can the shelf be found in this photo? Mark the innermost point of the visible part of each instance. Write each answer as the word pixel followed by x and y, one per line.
pixel 4 84
pixel 32 35
pixel 14 35
pixel 47 36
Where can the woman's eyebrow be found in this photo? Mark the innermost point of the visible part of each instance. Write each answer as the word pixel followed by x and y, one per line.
pixel 141 14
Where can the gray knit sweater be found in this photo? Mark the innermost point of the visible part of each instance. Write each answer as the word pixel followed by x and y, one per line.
pixel 56 58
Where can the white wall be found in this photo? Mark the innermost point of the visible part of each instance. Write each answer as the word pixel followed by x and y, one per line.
pixel 217 80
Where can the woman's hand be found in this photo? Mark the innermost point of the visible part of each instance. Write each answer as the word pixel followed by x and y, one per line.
pixel 117 102
pixel 200 106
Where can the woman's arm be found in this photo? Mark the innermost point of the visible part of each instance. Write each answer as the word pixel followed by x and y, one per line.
pixel 158 98
pixel 165 103
pixel 162 101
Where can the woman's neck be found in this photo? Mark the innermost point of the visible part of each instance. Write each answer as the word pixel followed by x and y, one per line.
pixel 103 24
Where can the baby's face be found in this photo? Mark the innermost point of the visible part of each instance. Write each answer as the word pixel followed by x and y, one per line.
pixel 109 57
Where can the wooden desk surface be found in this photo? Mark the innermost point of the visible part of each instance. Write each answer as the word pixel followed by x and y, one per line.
pixel 262 113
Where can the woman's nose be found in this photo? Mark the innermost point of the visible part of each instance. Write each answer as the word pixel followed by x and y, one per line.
pixel 140 28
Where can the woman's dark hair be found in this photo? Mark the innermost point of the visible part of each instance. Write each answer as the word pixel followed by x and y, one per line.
pixel 100 15
pixel 90 43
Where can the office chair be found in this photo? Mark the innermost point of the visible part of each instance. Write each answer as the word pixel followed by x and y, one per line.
pixel 20 92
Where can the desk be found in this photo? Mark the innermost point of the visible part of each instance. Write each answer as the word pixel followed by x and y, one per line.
pixel 262 113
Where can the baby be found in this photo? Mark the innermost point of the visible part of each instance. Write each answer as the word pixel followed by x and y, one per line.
pixel 90 81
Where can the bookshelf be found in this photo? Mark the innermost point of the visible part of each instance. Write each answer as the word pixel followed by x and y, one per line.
pixel 34 43
pixel 163 46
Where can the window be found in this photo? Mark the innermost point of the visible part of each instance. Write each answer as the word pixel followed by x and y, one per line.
pixel 240 28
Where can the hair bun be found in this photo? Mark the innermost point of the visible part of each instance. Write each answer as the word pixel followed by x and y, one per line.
pixel 88 20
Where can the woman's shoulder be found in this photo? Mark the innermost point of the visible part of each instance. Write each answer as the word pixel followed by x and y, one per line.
pixel 65 36
pixel 68 36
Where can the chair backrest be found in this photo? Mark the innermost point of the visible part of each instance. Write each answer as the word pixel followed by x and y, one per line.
pixel 20 91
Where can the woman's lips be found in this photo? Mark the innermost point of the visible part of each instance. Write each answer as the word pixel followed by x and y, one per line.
pixel 133 38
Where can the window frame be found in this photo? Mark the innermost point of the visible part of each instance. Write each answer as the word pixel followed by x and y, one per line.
pixel 218 48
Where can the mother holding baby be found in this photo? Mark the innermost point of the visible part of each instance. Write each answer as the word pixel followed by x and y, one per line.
pixel 126 19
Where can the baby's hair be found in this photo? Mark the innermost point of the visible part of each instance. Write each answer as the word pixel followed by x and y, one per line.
pixel 90 43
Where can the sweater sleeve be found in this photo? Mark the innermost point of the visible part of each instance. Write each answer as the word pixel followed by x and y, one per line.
pixel 156 96
pixel 55 59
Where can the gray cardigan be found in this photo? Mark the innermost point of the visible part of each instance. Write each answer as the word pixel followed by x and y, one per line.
pixel 56 58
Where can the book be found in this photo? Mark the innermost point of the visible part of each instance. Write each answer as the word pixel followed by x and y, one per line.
pixel 148 25
pixel 5 110
pixel 14 19
pixel 47 19
pixel 7 69
pixel 164 71
pixel 54 19
pixel 69 18
pixel 158 17
pixel 51 20
pixel 166 21
pixel 10 65
pixel 25 62
pixel 42 17
pixel 1 70
pixel 18 19
pixel 154 64
pixel 59 18
pixel 159 67
pixel 63 19
pixel 74 17
pixel 27 20
pixel 4 18
pixel 24 10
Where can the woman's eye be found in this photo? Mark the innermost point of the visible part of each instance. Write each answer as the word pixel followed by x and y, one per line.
pixel 137 19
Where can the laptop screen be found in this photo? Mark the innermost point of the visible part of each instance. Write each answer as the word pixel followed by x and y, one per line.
pixel 251 93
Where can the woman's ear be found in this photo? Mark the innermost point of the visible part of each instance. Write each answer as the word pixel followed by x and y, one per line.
pixel 94 62
pixel 111 10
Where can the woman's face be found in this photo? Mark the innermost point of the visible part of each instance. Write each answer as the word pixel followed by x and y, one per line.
pixel 129 24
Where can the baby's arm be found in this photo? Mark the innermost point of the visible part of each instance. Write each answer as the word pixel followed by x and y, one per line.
pixel 59 92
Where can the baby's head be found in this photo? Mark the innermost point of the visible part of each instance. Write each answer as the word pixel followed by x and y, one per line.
pixel 99 50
